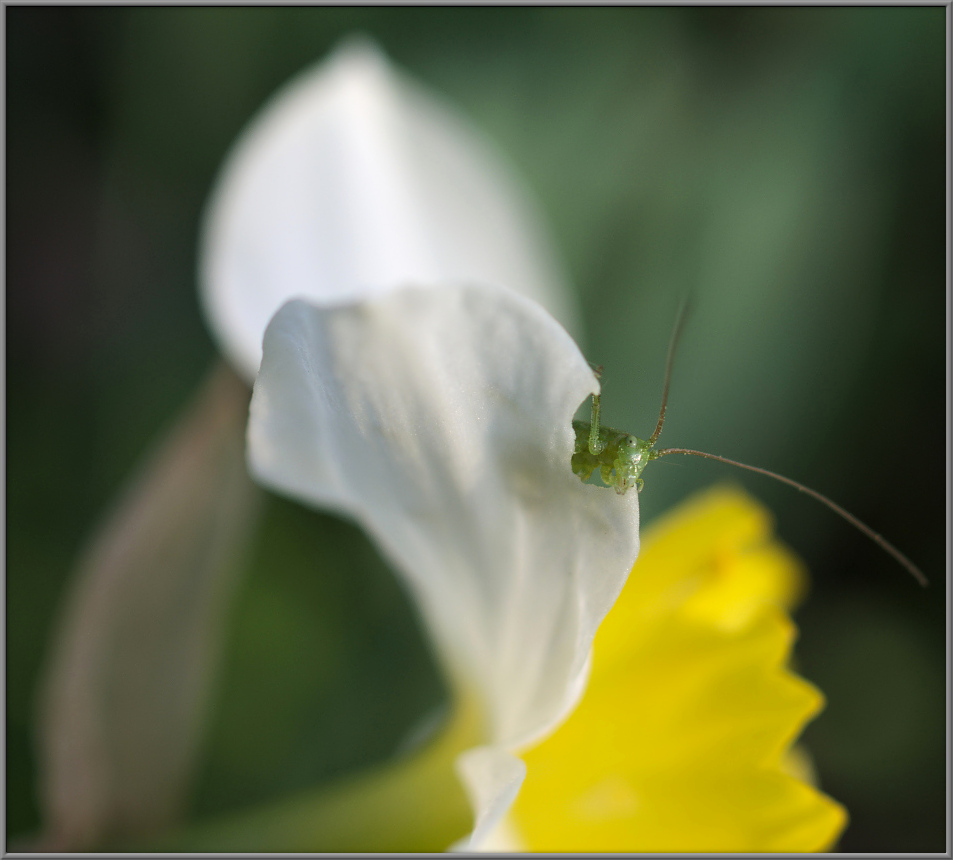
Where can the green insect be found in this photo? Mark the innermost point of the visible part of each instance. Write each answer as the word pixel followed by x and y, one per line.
pixel 621 457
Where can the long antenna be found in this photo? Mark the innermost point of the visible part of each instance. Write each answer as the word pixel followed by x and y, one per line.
pixel 837 509
pixel 669 361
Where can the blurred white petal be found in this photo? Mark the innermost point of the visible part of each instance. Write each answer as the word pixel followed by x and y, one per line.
pixel 128 679
pixel 493 778
pixel 354 179
pixel 440 419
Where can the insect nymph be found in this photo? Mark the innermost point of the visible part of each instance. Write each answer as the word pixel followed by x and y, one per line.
pixel 621 457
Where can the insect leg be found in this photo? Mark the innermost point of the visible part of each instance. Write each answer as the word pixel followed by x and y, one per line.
pixel 596 446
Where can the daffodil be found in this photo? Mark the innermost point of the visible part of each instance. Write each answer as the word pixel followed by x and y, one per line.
pixel 381 271
pixel 413 376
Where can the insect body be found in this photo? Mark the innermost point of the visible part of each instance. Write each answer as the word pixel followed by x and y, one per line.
pixel 620 458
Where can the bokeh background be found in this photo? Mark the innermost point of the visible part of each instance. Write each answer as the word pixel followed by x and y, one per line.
pixel 785 167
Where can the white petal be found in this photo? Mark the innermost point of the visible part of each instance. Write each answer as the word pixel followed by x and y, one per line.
pixel 493 778
pixel 353 180
pixel 440 419
pixel 128 682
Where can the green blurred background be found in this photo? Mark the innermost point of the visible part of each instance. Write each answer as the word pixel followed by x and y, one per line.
pixel 784 166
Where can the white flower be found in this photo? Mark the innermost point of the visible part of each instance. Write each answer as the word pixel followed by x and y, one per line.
pixel 417 386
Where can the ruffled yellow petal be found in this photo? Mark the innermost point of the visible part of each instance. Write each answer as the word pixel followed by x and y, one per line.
pixel 683 739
